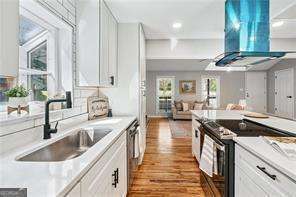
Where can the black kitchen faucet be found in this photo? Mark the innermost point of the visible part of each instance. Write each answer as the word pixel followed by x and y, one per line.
pixel 46 128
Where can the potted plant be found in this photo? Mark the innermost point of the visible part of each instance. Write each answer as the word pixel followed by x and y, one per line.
pixel 17 96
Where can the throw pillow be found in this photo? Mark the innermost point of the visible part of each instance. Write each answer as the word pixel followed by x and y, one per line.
pixel 198 106
pixel 185 106
pixel 191 105
pixel 178 105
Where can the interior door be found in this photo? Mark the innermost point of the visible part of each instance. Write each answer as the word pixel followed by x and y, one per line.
pixel 164 95
pixel 256 91
pixel 284 93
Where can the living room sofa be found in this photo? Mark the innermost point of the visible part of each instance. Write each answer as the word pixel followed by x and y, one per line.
pixel 179 113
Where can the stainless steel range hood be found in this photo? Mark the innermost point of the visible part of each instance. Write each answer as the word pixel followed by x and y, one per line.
pixel 247 34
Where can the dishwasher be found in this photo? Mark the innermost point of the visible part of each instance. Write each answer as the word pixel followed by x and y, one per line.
pixel 132 158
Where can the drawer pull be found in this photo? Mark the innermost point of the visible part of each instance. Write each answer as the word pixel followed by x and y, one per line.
pixel 115 175
pixel 196 134
pixel 263 169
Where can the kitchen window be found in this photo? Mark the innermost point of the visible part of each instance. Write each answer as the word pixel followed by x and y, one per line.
pixel 45 55
pixel 211 90
pixel 38 62
pixel 38 71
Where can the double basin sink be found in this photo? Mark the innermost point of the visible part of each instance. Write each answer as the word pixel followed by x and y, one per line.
pixel 69 147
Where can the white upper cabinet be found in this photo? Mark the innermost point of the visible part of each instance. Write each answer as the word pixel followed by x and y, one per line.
pixel 104 45
pixel 108 61
pixel 88 42
pixel 9 38
pixel 96 44
pixel 112 55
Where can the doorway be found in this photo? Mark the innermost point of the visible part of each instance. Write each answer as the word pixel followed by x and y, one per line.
pixel 165 91
pixel 256 98
pixel 284 93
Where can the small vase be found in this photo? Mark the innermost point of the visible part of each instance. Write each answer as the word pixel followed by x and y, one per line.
pixel 14 102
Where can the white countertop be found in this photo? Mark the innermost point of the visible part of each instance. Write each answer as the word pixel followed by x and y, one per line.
pixel 282 124
pixel 265 152
pixel 57 178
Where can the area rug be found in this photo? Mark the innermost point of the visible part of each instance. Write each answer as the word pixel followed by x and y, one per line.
pixel 180 128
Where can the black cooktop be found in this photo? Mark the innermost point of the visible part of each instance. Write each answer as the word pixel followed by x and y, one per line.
pixel 249 128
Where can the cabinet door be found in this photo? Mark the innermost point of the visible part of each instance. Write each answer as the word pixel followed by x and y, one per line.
pixel 120 165
pixel 9 38
pixel 88 42
pixel 97 183
pixel 104 54
pixel 100 180
pixel 245 187
pixel 112 46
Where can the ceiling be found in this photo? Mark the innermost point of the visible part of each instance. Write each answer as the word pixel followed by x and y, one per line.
pixel 201 19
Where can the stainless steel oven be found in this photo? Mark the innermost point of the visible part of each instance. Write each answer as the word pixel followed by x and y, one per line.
pixel 132 157
pixel 222 133
pixel 221 183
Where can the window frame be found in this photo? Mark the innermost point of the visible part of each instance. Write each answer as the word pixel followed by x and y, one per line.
pixel 173 80
pixel 60 45
pixel 207 96
pixel 29 66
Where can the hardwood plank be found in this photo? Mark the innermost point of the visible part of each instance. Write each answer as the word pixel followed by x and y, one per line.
pixel 168 168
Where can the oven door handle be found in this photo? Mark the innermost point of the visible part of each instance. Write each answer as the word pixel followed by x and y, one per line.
pixel 220 147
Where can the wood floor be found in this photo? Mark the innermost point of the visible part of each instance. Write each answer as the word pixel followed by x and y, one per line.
pixel 168 168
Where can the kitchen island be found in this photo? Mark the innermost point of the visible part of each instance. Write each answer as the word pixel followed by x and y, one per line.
pixel 284 125
pixel 260 170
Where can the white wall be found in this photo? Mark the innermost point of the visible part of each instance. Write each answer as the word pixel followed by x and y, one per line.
pixel 184 49
pixel 203 48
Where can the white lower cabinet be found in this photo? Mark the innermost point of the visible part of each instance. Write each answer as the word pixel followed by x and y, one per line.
pixel 108 177
pixel 245 186
pixel 254 177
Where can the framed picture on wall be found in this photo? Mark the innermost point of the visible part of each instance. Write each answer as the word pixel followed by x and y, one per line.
pixel 187 86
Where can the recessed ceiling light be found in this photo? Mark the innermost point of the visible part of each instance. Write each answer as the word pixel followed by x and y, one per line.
pixel 277 24
pixel 177 25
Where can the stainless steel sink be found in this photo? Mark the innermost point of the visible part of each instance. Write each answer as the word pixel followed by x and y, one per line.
pixel 68 147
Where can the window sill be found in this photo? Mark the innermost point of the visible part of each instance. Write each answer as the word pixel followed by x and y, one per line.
pixel 14 123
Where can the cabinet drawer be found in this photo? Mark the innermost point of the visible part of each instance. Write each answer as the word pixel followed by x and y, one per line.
pixel 264 174
pixel 245 186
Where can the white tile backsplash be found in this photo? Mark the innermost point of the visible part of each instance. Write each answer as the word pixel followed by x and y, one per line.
pixel 12 128
pixel 22 138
